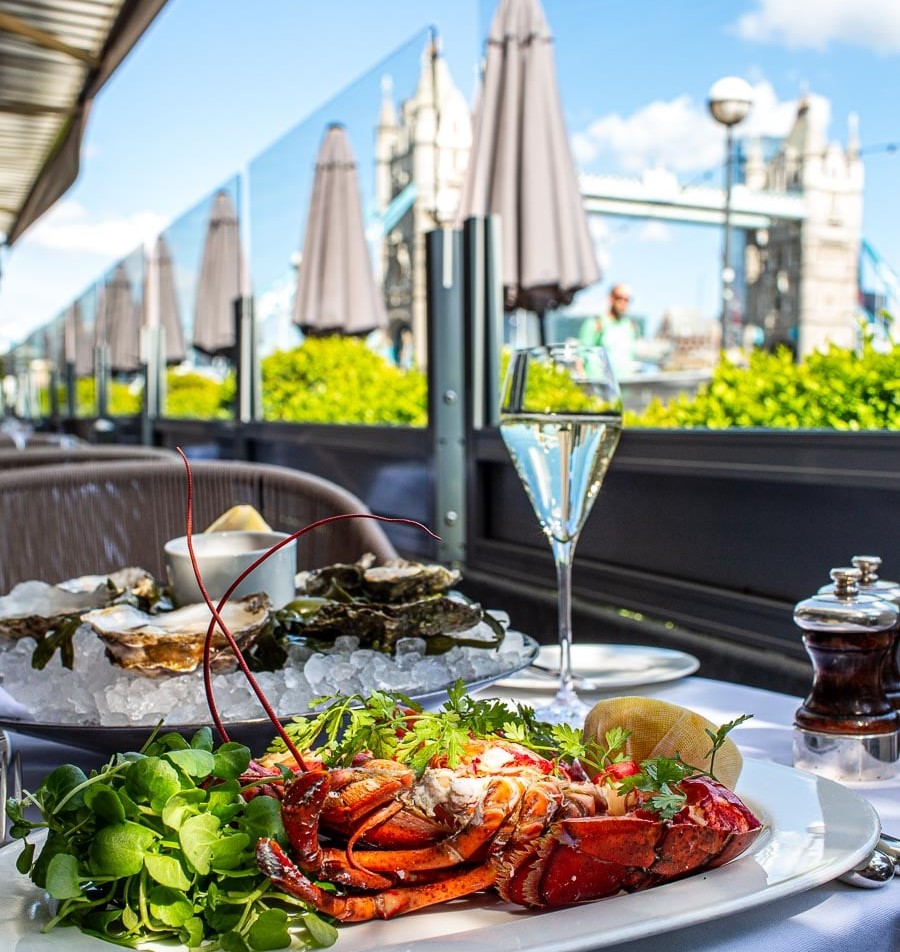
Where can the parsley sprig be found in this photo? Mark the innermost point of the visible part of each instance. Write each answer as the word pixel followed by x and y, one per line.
pixel 658 776
pixel 392 726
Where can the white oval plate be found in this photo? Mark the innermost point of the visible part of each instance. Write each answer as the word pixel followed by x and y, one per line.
pixel 815 830
pixel 609 667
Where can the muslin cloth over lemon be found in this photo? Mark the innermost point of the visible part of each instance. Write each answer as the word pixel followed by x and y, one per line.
pixel 661 729
pixel 243 518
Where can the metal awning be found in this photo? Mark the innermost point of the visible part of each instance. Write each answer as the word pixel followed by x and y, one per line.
pixel 55 55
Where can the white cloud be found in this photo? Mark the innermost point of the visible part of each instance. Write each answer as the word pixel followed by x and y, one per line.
pixel 70 227
pixel 816 23
pixel 675 133
pixel 679 134
pixel 656 231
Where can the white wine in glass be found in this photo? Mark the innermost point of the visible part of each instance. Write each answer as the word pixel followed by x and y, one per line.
pixel 560 417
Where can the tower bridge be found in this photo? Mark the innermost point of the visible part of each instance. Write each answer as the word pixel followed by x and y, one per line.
pixel 657 193
pixel 796 212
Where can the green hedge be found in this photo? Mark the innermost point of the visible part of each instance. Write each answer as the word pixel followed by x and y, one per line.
pixel 340 380
pixel 836 389
pixel 196 396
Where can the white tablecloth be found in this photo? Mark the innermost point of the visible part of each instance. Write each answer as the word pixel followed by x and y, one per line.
pixel 830 918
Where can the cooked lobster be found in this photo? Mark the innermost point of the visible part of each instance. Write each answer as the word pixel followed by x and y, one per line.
pixel 497 815
pixel 502 817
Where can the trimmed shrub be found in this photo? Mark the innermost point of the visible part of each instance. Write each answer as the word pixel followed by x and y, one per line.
pixel 341 380
pixel 836 389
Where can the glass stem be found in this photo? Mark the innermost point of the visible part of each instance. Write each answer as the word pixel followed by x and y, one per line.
pixel 562 556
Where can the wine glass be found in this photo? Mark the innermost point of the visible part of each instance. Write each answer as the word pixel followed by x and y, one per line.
pixel 560 417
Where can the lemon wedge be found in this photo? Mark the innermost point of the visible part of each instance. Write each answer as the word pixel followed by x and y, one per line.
pixel 661 729
pixel 240 518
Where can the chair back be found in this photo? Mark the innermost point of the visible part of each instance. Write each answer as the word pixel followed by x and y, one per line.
pixel 47 455
pixel 61 522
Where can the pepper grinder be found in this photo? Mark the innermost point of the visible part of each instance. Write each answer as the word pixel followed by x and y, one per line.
pixel 871 584
pixel 846 729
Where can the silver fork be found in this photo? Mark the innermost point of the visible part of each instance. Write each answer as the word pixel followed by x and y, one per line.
pixel 10 782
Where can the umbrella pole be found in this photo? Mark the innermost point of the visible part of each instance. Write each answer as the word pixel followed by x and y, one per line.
pixel 542 329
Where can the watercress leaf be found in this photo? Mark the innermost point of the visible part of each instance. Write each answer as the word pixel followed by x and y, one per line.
pixel 195 763
pixel 15 812
pixel 131 921
pixel 321 932
pixel 106 924
pixel 262 817
pixel 191 932
pixel 118 850
pixel 196 836
pixel 226 853
pixel 225 799
pixel 57 786
pixel 203 739
pixel 182 805
pixel 269 931
pixel 170 741
pixel 166 870
pixel 105 802
pixel 25 859
pixel 233 942
pixel 223 918
pixel 152 780
pixel 231 760
pixel 170 906
pixel 62 877
pixel 55 843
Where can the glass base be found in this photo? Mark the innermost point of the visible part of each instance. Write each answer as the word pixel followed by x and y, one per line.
pixel 566 708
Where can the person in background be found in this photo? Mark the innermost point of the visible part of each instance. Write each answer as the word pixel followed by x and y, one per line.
pixel 614 330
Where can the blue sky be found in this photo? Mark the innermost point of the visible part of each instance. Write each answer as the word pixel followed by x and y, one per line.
pixel 214 83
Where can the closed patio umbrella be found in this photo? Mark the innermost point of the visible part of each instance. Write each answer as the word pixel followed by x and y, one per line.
pixel 521 166
pixel 168 313
pixel 220 282
pixel 336 288
pixel 121 323
pixel 78 349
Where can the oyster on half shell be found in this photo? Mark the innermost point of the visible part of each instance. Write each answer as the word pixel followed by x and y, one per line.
pixel 396 580
pixel 34 607
pixel 383 624
pixel 172 642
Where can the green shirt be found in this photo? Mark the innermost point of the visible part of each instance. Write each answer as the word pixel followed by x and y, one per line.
pixel 617 336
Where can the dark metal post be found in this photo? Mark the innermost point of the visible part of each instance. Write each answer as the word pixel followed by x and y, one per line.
pixel 727 270
pixel 483 316
pixel 249 384
pixel 447 403
pixel 71 392
pixel 101 379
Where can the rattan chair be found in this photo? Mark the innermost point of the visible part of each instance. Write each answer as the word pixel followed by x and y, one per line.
pixel 45 455
pixel 60 522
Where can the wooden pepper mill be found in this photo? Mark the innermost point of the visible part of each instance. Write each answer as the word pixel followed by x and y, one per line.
pixel 871 584
pixel 846 728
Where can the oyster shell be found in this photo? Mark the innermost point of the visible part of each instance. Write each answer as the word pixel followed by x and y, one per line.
pixel 383 624
pixel 172 642
pixel 396 580
pixel 33 608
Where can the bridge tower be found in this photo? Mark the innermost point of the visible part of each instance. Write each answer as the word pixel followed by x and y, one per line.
pixel 801 277
pixel 421 152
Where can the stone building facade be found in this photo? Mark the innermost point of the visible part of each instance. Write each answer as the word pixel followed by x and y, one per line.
pixel 421 153
pixel 801 278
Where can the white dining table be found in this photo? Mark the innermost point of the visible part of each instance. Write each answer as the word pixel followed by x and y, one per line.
pixel 834 917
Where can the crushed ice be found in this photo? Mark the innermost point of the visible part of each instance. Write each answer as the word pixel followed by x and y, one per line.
pixel 99 693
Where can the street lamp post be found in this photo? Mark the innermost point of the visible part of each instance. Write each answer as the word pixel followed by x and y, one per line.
pixel 730 100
